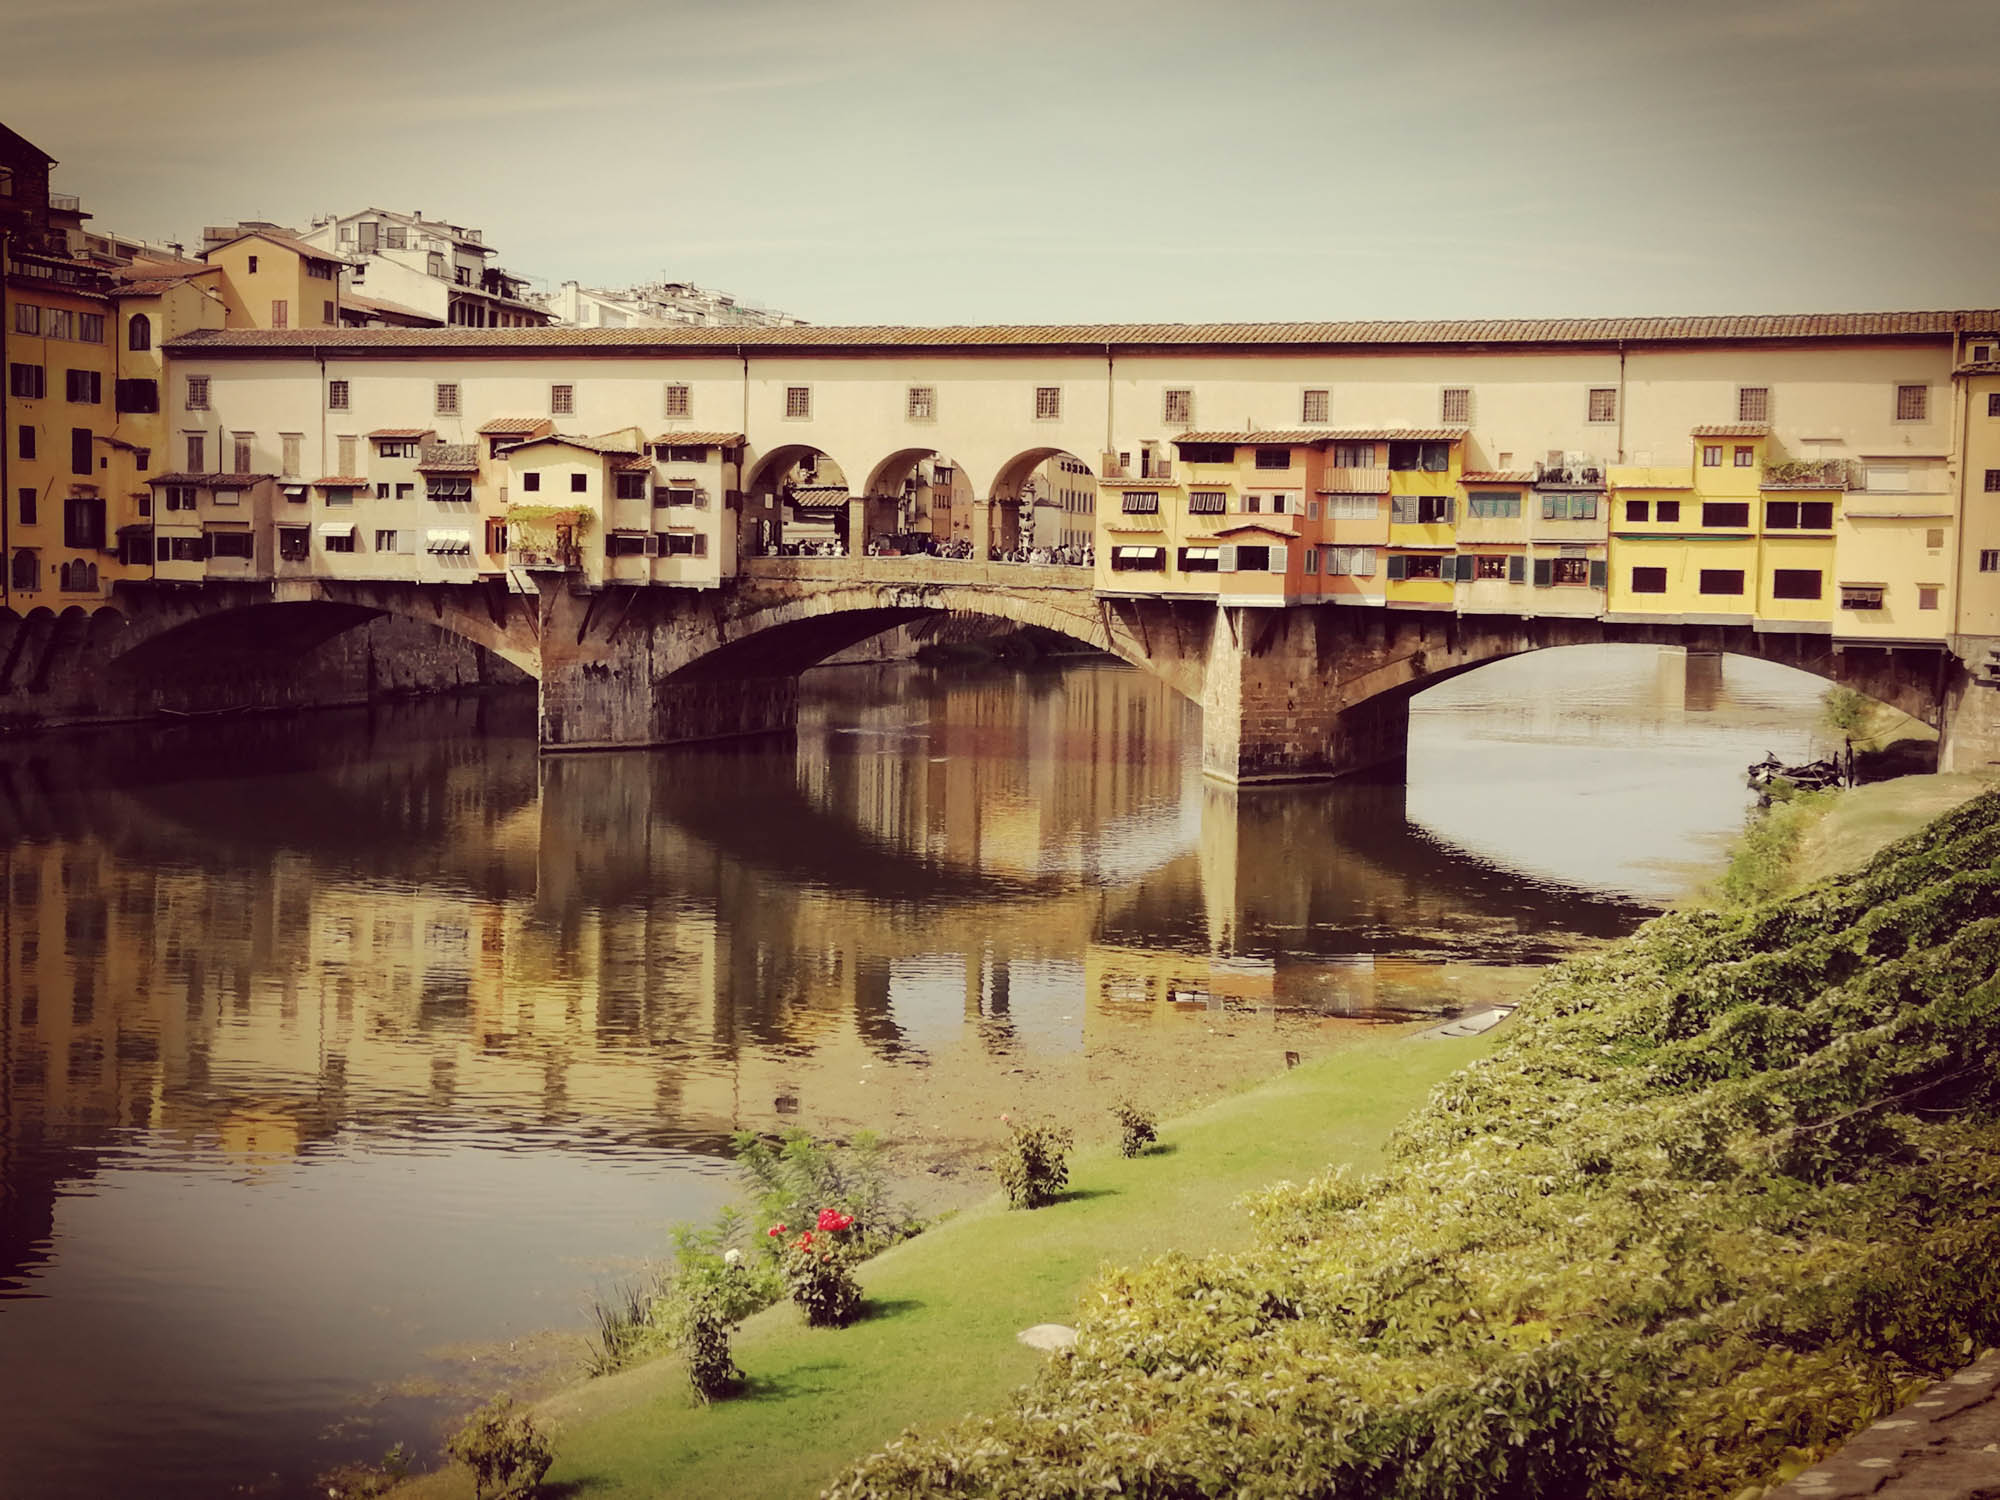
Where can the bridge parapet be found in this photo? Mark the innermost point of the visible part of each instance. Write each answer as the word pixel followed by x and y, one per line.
pixel 949 572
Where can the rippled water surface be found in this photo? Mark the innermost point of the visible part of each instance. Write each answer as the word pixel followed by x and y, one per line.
pixel 340 1052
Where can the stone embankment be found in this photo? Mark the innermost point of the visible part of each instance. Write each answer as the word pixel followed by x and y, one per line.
pixel 1945 1445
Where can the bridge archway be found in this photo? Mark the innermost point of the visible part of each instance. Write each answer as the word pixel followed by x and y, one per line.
pixel 922 499
pixel 795 496
pixel 1054 496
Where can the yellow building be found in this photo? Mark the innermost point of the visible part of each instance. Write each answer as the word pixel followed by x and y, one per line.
pixel 1979 544
pixel 270 280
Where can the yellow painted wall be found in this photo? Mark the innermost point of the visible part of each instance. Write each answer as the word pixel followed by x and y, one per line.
pixel 1684 560
pixel 1727 481
pixel 1797 552
pixel 1895 551
pixel 1979 587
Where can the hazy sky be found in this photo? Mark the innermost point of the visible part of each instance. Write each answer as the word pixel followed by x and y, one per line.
pixel 890 161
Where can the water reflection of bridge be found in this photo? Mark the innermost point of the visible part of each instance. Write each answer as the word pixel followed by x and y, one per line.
pixel 388 923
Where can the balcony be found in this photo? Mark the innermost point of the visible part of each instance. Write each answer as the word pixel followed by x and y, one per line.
pixel 550 557
pixel 1806 474
pixel 65 203
pixel 1354 482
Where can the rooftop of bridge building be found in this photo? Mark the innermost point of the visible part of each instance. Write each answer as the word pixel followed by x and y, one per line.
pixel 1097 336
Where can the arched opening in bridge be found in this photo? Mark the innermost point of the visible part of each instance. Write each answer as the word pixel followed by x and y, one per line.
pixel 796 501
pixel 920 503
pixel 1049 499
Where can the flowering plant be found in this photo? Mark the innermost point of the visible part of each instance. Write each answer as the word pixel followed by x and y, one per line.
pixel 819 1268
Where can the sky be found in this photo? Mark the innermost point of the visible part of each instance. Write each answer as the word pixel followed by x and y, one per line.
pixel 886 161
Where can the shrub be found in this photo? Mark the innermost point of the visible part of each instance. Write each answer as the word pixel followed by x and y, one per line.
pixel 1844 710
pixel 793 1176
pixel 701 1325
pixel 504 1449
pixel 819 1269
pixel 1035 1166
pixel 1136 1128
pixel 365 1481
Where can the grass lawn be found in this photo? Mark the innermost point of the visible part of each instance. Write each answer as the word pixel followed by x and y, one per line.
pixel 1866 819
pixel 938 1342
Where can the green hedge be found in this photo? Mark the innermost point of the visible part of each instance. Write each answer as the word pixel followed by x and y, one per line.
pixel 1730 1191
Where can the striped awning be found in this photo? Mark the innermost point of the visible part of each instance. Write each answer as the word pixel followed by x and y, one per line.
pixel 335 528
pixel 447 540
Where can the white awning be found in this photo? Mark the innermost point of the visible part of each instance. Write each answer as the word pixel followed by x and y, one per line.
pixel 1136 552
pixel 335 528
pixel 1197 553
pixel 448 541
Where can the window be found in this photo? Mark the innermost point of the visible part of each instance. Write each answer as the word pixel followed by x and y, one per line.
pixel 624 544
pixel 496 535
pixel 1431 458
pixel 288 445
pixel 684 544
pixel 434 264
pixel 83 387
pixel 1603 404
pixel 245 442
pixel 1455 406
pixel 1177 407
pixel 83 521
pixel 1746 458
pixel 1666 510
pixel 1649 580
pixel 253 265
pixel 1490 568
pixel 327 313
pixel 1420 568
pixel 1711 455
pixel 631 486
pixel 345 445
pixel 1313 406
pixel 1569 507
pixel 26 437
pixel 230 544
pixel 1638 510
pixel 90 328
pixel 1312 559
pixel 1358 561
pixel 1434 510
pixel 337 541
pixel 180 497
pixel 1753 403
pixel 1934 538
pixel 562 400
pixel 1993 404
pixel 197 452
pixel 1725 513
pixel 680 495
pixel 1141 502
pixel 1138 559
pixel 578 481
pixel 294 544
pixel 281 313
pixel 1492 505
pixel 1048 403
pixel 27 382
pixel 1569 572
pixel 1795 583
pixel 336 395
pixel 26 496
pixel 139 332
pixel 683 453
pixel 1721 581
pixel 1354 455
pixel 1252 560
pixel 1861 595
pixel 1208 453
pixel 1200 559
pixel 531 482
pixel 79 451
pixel 1274 458
pixel 678 403
pixel 1207 502
pixel 58 323
pixel 1913 403
pixel 1989 559
pixel 385 541
pixel 138 394
pixel 1993 481
pixel 447 398
pixel 27 318
pixel 1927 596
pixel 798 401
pixel 27 570
pixel 921 403
pixel 1798 515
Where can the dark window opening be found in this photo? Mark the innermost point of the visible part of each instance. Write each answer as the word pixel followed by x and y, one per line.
pixel 1725 513
pixel 1721 580
pixel 1649 580
pixel 1795 583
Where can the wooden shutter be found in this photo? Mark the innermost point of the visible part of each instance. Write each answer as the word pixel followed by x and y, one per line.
pixel 1226 558
pixel 1403 510
pixel 1450 509
pixel 1398 566
pixel 1598 575
pixel 1517 568
pixel 1545 571
pixel 1464 566
pixel 1280 558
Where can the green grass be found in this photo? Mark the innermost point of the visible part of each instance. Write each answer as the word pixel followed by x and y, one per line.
pixel 940 1342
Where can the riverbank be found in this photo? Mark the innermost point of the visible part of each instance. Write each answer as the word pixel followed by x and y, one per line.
pixel 945 1307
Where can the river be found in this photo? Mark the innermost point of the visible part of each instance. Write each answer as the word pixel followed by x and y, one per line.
pixel 344 1056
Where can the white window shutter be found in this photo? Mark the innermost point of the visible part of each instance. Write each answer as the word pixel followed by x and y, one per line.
pixel 1281 557
pixel 1226 558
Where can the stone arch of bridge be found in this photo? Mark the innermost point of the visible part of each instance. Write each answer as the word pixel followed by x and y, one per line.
pixel 920 491
pixel 767 520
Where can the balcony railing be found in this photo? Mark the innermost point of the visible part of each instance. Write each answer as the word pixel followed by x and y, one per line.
pixel 65 203
pixel 1354 482
pixel 556 558
pixel 1807 474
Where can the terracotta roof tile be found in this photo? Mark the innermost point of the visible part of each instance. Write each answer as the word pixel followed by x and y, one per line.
pixel 705 439
pixel 340 482
pixel 1138 482
pixel 506 426
pixel 1464 331
pixel 1398 434
pixel 285 242
pixel 213 481
pixel 1733 429
pixel 1497 476
pixel 589 445
pixel 1979 367
pixel 1275 437
pixel 401 432
pixel 631 466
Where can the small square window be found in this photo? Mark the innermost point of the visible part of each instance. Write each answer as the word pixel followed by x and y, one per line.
pixel 1711 455
pixel 1746 458
pixel 1934 538
pixel 578 482
pixel 197 393
pixel 1753 403
pixel 1455 408
pixel 678 401
pixel 1638 510
pixel 447 398
pixel 1314 406
pixel 798 401
pixel 1048 403
pixel 921 404
pixel 1927 596
pixel 1993 404
pixel 1177 407
pixel 1993 481
pixel 1604 403
pixel 336 395
pixel 1913 403
pixel 562 400
pixel 530 483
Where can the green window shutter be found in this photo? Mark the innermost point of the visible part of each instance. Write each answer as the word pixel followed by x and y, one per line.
pixel 1517 568
pixel 1398 565
pixel 1598 575
pixel 1464 565
pixel 1450 508
pixel 1403 509
pixel 1545 571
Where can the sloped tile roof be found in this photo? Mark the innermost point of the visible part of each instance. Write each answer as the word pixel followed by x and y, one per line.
pixel 340 482
pixel 589 445
pixel 1463 331
pixel 1398 434
pixel 401 432
pixel 506 426
pixel 1275 437
pixel 704 439
pixel 1733 429
pixel 213 481
pixel 1497 476
pixel 286 242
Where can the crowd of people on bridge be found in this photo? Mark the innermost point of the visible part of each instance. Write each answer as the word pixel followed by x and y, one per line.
pixel 923 544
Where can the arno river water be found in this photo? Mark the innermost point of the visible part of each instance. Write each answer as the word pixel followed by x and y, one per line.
pixel 344 1056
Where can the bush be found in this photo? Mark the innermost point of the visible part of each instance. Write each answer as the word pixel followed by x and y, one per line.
pixel 1846 711
pixel 1035 1166
pixel 365 1481
pixel 701 1332
pixel 1724 1195
pixel 794 1176
pixel 504 1449
pixel 819 1269
pixel 1136 1128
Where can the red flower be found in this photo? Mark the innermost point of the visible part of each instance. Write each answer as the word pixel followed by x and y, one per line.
pixel 775 1230
pixel 833 1221
pixel 803 1241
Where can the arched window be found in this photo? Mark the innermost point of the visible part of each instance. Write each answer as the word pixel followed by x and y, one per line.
pixel 78 577
pixel 27 574
pixel 139 332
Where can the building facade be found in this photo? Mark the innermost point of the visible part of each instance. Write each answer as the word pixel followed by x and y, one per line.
pixel 420 268
pixel 659 304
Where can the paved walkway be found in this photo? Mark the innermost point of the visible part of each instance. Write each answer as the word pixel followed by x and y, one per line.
pixel 1945 1445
